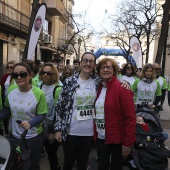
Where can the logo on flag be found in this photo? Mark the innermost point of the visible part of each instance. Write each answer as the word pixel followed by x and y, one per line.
pixel 37 23
pixel 136 50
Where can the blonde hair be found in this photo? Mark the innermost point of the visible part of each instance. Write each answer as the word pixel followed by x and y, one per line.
pixel 68 67
pixel 54 70
pixel 146 66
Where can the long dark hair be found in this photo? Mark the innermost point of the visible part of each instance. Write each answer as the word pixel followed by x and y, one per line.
pixel 125 67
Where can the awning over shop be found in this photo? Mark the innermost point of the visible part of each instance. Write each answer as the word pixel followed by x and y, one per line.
pixel 47 48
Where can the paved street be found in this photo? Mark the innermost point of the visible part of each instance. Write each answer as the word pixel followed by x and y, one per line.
pixel 165 117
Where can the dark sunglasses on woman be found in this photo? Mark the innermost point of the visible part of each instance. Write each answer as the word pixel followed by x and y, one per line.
pixel 22 75
pixel 47 73
pixel 129 68
pixel 139 69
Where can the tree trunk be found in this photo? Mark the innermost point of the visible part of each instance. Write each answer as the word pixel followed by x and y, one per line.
pixel 147 51
pixel 164 32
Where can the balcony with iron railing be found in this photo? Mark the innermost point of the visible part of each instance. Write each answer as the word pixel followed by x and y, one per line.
pixel 10 16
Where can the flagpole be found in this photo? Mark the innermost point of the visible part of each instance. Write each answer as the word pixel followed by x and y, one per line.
pixel 35 5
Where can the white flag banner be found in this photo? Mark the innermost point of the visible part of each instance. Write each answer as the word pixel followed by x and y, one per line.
pixel 36 29
pixel 136 50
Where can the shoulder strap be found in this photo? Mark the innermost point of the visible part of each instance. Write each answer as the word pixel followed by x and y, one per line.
pixel 41 85
pixel 55 88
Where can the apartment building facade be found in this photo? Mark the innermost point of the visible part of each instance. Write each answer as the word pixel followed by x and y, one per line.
pixel 14 24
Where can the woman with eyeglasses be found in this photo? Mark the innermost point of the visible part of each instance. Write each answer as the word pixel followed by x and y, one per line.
pixel 51 87
pixel 128 73
pixel 147 89
pixel 7 81
pixel 27 104
pixel 67 72
pixel 75 112
pixel 115 118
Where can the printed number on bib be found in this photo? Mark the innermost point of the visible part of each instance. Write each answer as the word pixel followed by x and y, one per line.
pixel 85 112
pixel 145 102
pixel 101 128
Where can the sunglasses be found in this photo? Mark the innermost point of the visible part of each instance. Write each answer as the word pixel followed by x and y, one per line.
pixel 129 68
pixel 22 75
pixel 139 69
pixel 10 67
pixel 47 73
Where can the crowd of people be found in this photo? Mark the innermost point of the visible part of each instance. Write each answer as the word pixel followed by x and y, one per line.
pixel 77 107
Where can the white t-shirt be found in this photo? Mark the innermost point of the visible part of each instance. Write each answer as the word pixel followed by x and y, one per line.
pixel 25 106
pixel 48 91
pixel 146 92
pixel 83 109
pixel 100 117
pixel 130 80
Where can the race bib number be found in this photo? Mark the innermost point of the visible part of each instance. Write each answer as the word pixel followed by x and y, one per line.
pixel 145 102
pixel 101 128
pixel 85 112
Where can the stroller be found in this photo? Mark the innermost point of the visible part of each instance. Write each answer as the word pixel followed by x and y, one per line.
pixel 7 153
pixel 149 151
pixel 13 153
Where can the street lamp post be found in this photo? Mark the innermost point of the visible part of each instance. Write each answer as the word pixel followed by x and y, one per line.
pixel 33 13
pixel 79 44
